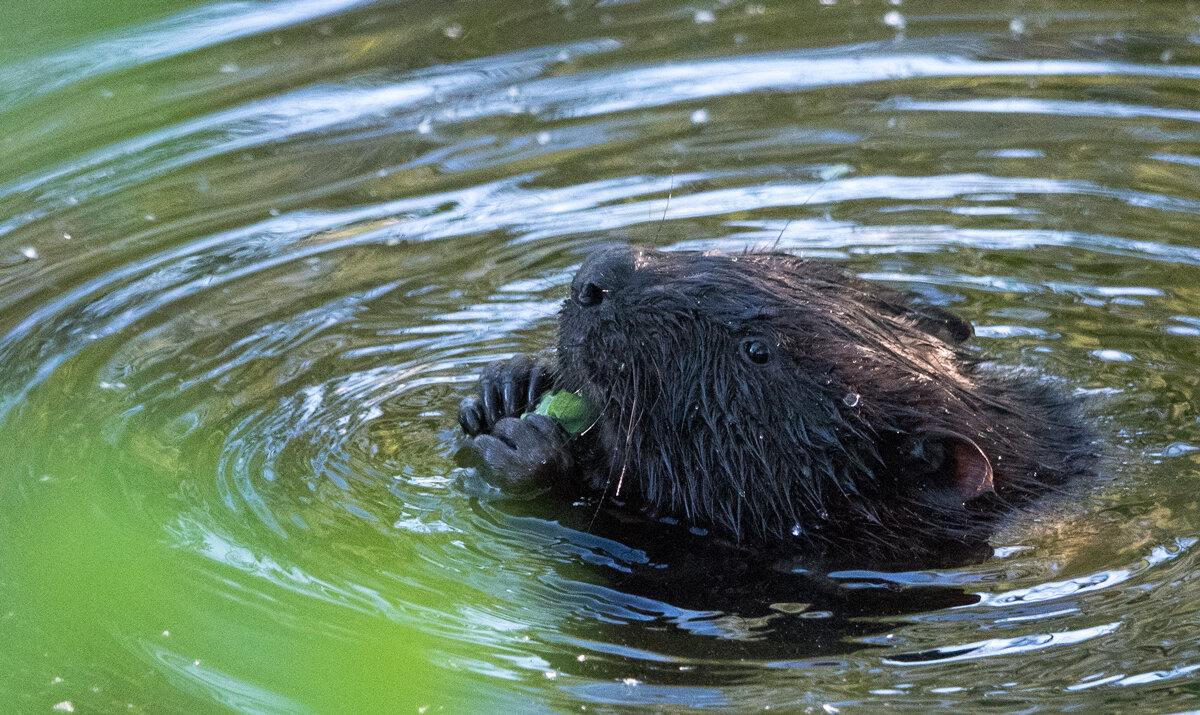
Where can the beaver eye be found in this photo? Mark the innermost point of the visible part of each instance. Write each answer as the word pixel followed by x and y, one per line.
pixel 756 351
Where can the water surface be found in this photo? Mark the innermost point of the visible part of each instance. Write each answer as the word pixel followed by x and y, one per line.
pixel 253 253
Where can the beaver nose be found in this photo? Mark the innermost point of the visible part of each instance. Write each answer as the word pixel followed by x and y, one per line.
pixel 602 274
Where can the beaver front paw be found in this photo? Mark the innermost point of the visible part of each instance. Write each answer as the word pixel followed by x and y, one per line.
pixel 507 389
pixel 515 446
pixel 529 449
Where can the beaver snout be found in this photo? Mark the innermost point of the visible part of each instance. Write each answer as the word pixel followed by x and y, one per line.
pixel 606 273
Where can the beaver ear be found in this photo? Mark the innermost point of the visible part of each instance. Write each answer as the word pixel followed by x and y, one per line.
pixel 969 466
pixel 950 461
pixel 941 323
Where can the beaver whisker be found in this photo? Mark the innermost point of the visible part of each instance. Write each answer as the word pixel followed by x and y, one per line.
pixel 627 449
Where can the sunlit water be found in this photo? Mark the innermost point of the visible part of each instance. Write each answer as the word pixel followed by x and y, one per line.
pixel 253 254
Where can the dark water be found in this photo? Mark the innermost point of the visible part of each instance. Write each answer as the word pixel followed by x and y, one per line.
pixel 252 254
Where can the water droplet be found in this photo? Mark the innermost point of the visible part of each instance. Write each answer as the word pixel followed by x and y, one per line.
pixel 543 138
pixel 894 19
pixel 425 127
pixel 700 116
pixel 550 674
pixel 704 17
pixel 851 399
pixel 453 32
pixel 229 68
pixel 1016 26
pixel 828 2
pixel 65 707
pixel 30 252
pixel 66 237
pixel 631 682
pixel 149 217
pixel 796 530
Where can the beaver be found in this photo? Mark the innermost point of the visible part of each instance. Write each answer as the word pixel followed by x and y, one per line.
pixel 778 401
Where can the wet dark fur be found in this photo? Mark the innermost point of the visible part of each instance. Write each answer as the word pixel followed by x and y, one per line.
pixel 841 442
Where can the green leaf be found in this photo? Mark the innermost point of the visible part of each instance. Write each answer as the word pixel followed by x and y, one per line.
pixel 569 409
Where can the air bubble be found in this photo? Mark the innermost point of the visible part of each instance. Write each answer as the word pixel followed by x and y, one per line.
pixel 851 400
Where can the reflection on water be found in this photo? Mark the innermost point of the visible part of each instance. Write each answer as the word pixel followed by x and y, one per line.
pixel 253 254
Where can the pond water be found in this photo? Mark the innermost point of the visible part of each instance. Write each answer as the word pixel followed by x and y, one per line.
pixel 252 254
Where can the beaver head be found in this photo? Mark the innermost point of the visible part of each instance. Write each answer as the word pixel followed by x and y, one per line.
pixel 777 398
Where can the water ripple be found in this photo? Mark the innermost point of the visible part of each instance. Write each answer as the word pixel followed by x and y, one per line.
pixel 185 32
pixel 237 312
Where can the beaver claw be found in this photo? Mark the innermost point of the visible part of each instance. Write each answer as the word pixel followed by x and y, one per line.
pixel 507 389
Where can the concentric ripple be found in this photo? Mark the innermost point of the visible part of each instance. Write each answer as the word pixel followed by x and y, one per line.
pixel 253 254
